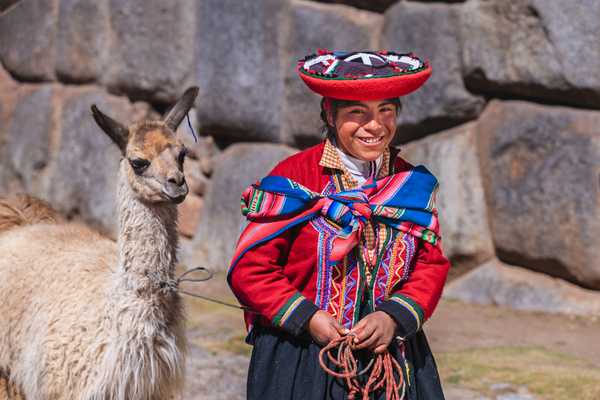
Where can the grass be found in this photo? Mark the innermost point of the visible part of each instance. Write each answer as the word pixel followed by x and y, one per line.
pixel 548 375
pixel 233 344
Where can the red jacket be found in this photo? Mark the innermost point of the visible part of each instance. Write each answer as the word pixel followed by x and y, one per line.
pixel 282 279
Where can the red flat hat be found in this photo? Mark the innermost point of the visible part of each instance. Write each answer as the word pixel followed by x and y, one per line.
pixel 363 75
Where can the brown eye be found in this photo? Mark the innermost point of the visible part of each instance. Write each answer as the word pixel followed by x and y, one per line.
pixel 139 165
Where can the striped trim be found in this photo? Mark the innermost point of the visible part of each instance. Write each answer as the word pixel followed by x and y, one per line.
pixel 256 200
pixel 410 305
pixel 397 254
pixel 287 310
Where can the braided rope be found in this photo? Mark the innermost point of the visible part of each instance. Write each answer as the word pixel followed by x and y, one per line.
pixel 386 372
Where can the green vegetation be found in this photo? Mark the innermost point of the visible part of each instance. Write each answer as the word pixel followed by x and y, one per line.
pixel 546 374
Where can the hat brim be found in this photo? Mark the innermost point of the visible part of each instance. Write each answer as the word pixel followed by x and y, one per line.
pixel 376 88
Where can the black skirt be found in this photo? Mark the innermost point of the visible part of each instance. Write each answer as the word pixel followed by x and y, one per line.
pixel 284 367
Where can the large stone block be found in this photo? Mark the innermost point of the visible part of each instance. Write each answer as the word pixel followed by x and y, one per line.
pixel 452 157
pixel 540 168
pixel 314 26
pixel 82 179
pixel 9 97
pixel 496 283
pixel 431 31
pixel 189 215
pixel 533 49
pixel 235 169
pixel 26 149
pixel 20 105
pixel 152 48
pixel 28 32
pixel 82 39
pixel 238 69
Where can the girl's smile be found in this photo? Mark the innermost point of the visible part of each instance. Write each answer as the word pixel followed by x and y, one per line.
pixel 364 129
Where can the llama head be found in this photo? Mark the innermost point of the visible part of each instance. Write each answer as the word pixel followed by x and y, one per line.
pixel 153 153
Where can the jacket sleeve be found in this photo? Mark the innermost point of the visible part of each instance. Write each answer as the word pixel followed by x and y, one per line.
pixel 413 303
pixel 259 282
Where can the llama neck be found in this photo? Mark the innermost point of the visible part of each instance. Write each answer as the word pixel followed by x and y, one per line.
pixel 147 240
pixel 140 347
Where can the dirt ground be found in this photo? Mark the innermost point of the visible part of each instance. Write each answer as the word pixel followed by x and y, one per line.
pixel 458 326
pixel 484 352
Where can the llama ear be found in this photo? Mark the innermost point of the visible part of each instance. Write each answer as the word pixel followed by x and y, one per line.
pixel 115 130
pixel 181 108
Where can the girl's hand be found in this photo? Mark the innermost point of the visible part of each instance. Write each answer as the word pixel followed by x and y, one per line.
pixel 324 328
pixel 374 332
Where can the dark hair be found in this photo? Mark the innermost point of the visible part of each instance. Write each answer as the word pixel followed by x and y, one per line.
pixel 336 104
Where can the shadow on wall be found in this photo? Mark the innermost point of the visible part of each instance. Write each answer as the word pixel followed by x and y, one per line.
pixel 5 5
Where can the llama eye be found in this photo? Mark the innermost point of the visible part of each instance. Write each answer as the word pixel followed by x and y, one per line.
pixel 139 165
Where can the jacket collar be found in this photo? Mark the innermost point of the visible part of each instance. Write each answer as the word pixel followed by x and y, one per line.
pixel 331 159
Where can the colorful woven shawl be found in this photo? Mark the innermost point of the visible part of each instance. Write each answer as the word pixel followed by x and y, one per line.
pixel 403 201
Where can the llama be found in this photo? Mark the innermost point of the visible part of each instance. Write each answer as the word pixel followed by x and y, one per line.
pixel 83 317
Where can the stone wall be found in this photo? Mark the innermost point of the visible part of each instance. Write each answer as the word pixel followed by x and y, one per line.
pixel 509 121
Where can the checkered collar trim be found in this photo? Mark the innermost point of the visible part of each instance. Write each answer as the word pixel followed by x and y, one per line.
pixel 331 159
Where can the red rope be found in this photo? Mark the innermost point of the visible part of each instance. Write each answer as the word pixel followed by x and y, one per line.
pixel 385 370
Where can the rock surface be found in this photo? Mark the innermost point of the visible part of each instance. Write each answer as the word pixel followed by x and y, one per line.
pixel 501 284
pixel 533 49
pixel 238 69
pixel 82 39
pixel 432 32
pixel 460 393
pixel 452 157
pixel 314 26
pixel 82 178
pixel 539 164
pixel 26 152
pixel 200 149
pixel 8 99
pixel 28 32
pixel 152 49
pixel 196 180
pixel 235 169
pixel 540 169
pixel 189 215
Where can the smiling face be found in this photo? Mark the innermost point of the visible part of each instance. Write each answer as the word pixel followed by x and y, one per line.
pixel 364 129
pixel 155 157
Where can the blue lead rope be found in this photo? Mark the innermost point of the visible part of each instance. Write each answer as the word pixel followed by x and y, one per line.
pixel 187 116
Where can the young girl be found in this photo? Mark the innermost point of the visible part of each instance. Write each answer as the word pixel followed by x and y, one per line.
pixel 343 240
